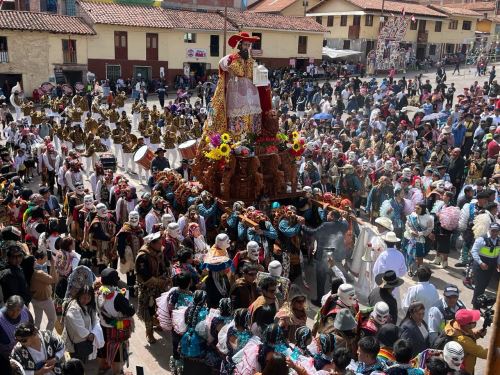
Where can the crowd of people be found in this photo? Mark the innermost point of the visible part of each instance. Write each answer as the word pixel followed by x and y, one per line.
pixel 416 169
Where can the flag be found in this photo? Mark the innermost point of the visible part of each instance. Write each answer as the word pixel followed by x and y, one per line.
pixel 243 4
pixel 413 19
pixel 403 11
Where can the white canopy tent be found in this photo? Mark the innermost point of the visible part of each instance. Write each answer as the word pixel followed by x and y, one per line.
pixel 339 53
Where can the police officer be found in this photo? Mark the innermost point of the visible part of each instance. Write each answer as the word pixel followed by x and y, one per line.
pixel 444 311
pixel 485 252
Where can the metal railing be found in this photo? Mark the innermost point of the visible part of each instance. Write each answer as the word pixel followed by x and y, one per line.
pixel 69 56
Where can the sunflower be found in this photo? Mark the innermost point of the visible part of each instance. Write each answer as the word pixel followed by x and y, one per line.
pixel 295 135
pixel 296 146
pixel 224 150
pixel 226 138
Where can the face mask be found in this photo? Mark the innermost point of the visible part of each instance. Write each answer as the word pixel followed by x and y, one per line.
pixel 41 267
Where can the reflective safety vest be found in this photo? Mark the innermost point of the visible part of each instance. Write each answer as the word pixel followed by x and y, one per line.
pixel 489 252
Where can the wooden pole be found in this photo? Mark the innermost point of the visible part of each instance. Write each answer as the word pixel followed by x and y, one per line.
pixel 224 46
pixel 493 361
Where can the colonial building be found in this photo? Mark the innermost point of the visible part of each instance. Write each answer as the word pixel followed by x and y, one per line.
pixel 38 47
pixel 150 42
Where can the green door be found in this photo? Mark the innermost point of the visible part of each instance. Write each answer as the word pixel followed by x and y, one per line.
pixel 142 72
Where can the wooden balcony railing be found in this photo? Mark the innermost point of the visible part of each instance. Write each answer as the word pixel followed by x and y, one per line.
pixel 69 56
pixel 354 32
pixel 422 37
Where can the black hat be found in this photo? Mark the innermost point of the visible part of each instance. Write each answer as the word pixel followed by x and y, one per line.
pixel 388 334
pixel 43 190
pixel 484 194
pixel 10 233
pixel 159 149
pixel 388 279
pixel 110 276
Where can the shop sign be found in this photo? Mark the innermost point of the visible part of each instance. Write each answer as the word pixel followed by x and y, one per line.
pixel 196 53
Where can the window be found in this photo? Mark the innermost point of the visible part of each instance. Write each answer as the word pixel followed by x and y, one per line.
pixel 437 26
pixel 347 44
pixel 151 46
pixel 214 45
pixel 319 20
pixel 369 20
pixel 432 49
pixel 302 44
pixel 329 21
pixel 189 38
pixel 121 45
pixel 258 44
pixel 370 45
pixel 450 48
pixel 4 51
pixel 343 20
pixel 113 72
pixel 453 25
pixel 413 25
pixel 467 25
pixel 69 51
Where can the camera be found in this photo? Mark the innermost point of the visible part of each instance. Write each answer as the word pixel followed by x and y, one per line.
pixel 485 304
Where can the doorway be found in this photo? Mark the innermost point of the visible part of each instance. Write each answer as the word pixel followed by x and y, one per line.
pixel 142 72
pixel 73 76
pixel 198 71
pixel 8 81
pixel 421 52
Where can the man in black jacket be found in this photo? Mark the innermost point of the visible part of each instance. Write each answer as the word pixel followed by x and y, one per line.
pixel 12 278
pixel 456 169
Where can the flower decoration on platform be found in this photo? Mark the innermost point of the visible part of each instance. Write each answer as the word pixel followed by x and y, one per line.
pixel 219 146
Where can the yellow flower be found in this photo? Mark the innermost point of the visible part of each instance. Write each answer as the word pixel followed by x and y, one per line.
pixel 295 135
pixel 207 139
pixel 213 154
pixel 226 138
pixel 224 150
pixel 296 146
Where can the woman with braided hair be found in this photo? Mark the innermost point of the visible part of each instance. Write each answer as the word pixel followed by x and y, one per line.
pixel 322 347
pixel 216 326
pixel 237 336
pixel 193 345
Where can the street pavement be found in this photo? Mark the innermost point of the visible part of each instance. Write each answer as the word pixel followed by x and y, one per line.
pixel 154 359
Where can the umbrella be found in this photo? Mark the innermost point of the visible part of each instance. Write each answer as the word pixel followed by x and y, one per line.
pixel 322 116
pixel 410 108
pixel 434 116
pixel 448 217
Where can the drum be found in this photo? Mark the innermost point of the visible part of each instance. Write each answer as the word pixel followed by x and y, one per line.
pixel 144 156
pixel 108 161
pixel 188 149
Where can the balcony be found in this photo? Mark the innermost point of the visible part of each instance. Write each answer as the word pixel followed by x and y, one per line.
pixel 422 36
pixel 354 32
pixel 4 56
pixel 69 56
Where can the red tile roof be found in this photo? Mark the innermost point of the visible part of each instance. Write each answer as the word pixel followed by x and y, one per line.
pixel 479 6
pixel 250 19
pixel 34 21
pixel 150 16
pixel 271 6
pixel 156 17
pixel 455 11
pixel 395 7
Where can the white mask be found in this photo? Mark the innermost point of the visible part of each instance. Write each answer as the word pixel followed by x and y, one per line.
pixel 275 268
pixel 347 294
pixel 133 218
pixel 335 152
pixel 102 210
pixel 166 219
pixel 352 155
pixel 365 165
pixel 88 202
pixel 174 230
pixel 222 241
pixel 407 173
pixel 253 250
pixel 79 189
pixel 388 165
pixel 453 354
pixel 380 312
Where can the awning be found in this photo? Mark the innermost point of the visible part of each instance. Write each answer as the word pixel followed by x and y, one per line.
pixel 339 53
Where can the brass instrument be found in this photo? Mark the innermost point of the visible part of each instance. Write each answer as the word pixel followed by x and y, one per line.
pixel 129 143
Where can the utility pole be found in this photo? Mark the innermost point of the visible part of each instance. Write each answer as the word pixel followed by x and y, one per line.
pixel 224 45
pixel 305 3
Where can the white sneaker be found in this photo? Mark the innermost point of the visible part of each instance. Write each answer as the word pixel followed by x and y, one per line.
pixel 437 260
pixel 444 264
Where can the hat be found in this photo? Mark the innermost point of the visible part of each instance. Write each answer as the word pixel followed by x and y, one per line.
pixel 241 36
pixel 10 233
pixel 446 130
pixel 152 237
pixel 388 279
pixel 385 222
pixel 450 291
pixel 344 321
pixel 388 334
pixel 159 149
pixel 465 316
pixel 494 226
pixel 43 190
pixel 109 276
pixel 390 237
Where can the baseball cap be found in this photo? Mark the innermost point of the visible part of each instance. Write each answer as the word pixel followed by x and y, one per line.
pixel 494 226
pixel 465 316
pixel 451 290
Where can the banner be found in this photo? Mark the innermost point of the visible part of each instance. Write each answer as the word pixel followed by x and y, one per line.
pixel 196 53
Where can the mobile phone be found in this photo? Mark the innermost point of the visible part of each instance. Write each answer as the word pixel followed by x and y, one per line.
pixel 139 370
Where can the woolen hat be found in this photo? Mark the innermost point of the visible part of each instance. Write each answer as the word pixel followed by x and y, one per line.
pixel 109 276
